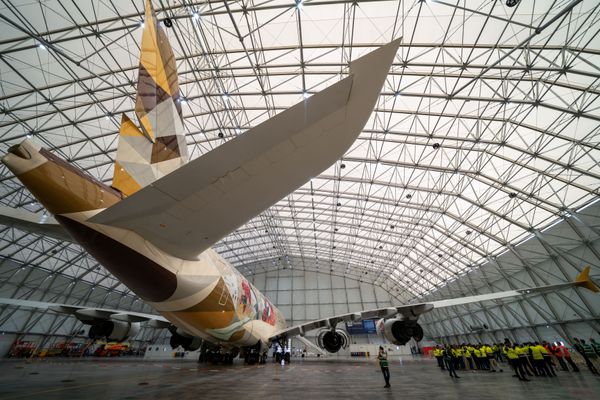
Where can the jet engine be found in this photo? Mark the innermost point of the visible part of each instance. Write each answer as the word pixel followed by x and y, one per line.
pixel 180 338
pixel 332 341
pixel 399 332
pixel 478 328
pixel 116 331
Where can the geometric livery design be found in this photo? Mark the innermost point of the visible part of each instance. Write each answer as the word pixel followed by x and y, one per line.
pixel 159 147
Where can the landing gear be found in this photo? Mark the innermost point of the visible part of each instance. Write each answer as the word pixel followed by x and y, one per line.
pixel 252 358
pixel 215 355
pixel 255 354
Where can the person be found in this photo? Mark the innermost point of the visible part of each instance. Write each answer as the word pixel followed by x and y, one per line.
pixel 558 353
pixel 548 357
pixel 482 356
pixel 537 354
pixel 468 356
pixel 595 346
pixel 383 364
pixel 437 353
pixel 586 351
pixel 448 359
pixel 523 360
pixel 492 359
pixel 458 358
pixel 567 355
pixel 514 362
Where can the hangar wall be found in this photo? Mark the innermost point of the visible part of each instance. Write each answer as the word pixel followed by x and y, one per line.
pixel 306 295
pixel 549 256
pixel 552 255
pixel 35 282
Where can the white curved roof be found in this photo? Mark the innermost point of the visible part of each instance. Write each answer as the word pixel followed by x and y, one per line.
pixel 486 130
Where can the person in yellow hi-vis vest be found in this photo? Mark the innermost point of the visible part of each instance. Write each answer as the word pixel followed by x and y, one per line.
pixel 513 361
pixel 437 353
pixel 537 353
pixel 523 361
pixel 492 359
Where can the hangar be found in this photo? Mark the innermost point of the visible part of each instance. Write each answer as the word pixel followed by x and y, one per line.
pixel 475 173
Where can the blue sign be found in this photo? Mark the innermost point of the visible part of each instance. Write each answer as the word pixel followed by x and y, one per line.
pixel 361 327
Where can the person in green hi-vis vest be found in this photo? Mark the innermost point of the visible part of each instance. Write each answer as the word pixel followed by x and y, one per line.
pixel 383 364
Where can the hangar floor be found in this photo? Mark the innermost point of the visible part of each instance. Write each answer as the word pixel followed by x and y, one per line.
pixel 314 379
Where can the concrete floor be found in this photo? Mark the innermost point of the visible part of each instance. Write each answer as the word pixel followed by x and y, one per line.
pixel 135 378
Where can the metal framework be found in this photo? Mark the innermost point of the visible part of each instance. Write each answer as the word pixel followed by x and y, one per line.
pixel 486 131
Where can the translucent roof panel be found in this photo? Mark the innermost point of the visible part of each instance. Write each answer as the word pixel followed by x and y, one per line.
pixel 486 130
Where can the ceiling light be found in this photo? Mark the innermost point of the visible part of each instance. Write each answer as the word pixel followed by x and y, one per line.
pixel 299 4
pixel 195 15
pixel 305 94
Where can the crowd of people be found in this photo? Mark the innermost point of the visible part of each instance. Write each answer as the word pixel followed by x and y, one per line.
pixel 532 359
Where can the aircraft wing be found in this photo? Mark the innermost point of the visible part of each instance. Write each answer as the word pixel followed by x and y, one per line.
pixel 38 223
pixel 410 311
pixel 413 311
pixel 91 314
pixel 189 210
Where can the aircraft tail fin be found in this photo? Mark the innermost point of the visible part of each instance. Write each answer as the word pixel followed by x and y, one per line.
pixel 584 280
pixel 158 146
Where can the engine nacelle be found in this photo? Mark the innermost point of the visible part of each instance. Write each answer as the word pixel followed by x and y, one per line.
pixel 180 338
pixel 332 341
pixel 116 331
pixel 478 328
pixel 399 332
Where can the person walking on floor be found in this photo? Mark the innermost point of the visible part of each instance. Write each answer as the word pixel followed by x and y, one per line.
pixel 586 351
pixel 448 359
pixel 383 364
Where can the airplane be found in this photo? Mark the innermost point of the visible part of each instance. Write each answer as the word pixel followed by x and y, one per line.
pixel 153 228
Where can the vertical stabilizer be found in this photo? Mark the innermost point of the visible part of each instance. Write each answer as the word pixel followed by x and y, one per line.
pixel 158 146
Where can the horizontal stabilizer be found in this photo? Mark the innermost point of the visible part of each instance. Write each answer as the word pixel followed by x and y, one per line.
pixel 189 210
pixel 37 223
